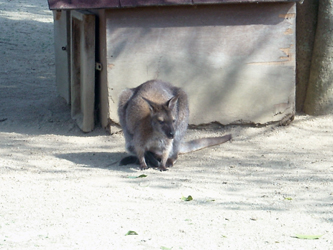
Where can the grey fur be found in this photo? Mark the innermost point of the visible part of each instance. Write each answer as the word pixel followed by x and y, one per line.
pixel 154 117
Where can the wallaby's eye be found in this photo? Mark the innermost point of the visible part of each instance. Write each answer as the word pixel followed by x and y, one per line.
pixel 161 122
pixel 174 120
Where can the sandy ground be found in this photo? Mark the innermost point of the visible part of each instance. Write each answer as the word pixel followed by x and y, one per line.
pixel 62 189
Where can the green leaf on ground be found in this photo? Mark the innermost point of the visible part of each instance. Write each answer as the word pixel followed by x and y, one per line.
pixel 131 233
pixel 135 177
pixel 308 237
pixel 165 248
pixel 188 198
pixel 288 198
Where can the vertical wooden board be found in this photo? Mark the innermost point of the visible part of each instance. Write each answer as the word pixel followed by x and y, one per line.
pixel 83 69
pixel 62 49
pixel 101 77
pixel 236 62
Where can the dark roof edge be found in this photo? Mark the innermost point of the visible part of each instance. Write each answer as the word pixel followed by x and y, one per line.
pixel 114 4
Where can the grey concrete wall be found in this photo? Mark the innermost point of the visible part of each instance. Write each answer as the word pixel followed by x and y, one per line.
pixel 236 62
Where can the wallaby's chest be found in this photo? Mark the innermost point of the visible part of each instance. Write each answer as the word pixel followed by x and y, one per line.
pixel 158 145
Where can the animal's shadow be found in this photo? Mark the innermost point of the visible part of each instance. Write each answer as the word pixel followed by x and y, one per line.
pixel 104 160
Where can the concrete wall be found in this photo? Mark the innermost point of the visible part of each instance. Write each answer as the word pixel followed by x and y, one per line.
pixel 236 62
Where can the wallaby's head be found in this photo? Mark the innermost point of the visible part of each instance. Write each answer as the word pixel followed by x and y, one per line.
pixel 163 116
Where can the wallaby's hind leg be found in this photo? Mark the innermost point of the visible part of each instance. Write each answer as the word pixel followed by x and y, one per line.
pixel 174 153
pixel 181 124
pixel 183 115
pixel 124 98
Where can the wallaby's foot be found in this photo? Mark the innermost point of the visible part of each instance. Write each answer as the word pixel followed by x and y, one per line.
pixel 143 167
pixel 163 168
pixel 170 162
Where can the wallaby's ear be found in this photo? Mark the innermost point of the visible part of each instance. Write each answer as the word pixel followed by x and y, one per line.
pixel 172 102
pixel 154 107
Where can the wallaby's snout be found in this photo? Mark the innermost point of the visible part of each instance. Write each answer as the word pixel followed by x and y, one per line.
pixel 162 118
pixel 165 127
pixel 170 133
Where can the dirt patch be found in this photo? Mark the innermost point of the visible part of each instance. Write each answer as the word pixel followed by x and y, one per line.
pixel 62 189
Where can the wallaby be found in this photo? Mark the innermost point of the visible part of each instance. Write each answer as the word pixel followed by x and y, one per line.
pixel 154 118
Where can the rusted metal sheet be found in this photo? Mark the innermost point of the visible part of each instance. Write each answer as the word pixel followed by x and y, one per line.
pixel 109 4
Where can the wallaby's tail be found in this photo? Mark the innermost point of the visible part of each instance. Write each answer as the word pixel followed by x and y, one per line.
pixel 198 144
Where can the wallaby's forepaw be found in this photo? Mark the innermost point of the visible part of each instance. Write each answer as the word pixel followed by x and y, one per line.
pixel 143 167
pixel 163 168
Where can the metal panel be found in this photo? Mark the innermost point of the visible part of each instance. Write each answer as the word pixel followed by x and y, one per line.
pixel 62 53
pixel 236 62
pixel 83 69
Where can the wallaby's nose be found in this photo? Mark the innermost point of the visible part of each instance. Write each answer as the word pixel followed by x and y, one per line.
pixel 171 134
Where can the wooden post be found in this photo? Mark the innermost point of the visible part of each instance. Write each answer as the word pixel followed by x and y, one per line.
pixel 83 69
